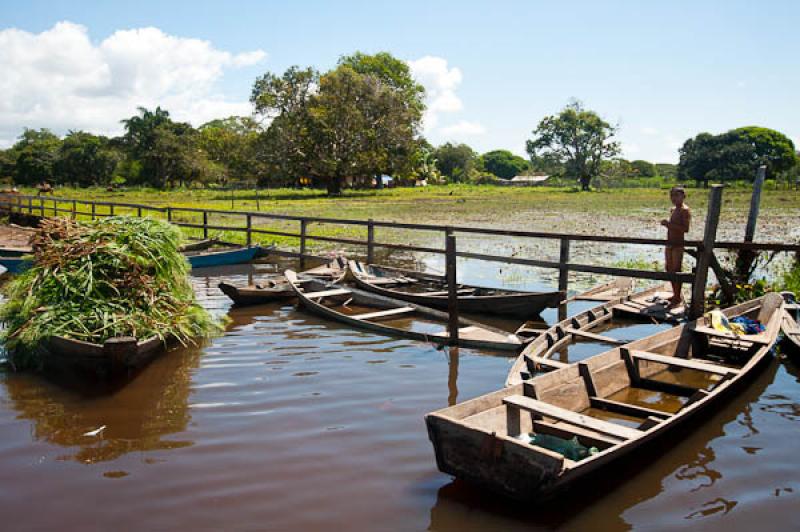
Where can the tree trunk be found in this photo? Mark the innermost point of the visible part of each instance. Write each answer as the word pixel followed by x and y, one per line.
pixel 335 186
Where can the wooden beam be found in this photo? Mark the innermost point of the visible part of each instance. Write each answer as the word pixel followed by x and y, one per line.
pixel 553 364
pixel 593 336
pixel 383 313
pixel 683 363
pixel 562 414
pixel 326 293
pixel 452 296
pixel 704 256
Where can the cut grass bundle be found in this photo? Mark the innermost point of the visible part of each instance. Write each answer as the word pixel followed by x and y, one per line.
pixel 120 276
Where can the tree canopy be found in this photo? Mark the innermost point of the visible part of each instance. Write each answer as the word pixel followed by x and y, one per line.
pixel 578 139
pixel 735 154
pixel 504 164
pixel 455 161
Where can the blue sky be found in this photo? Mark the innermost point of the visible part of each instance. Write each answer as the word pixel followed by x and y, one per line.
pixel 662 71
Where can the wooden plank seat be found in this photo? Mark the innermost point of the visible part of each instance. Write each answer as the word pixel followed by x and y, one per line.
pixel 546 362
pixel 327 293
pixel 627 408
pixel 683 363
pixel 445 292
pixel 592 336
pixel 383 313
pixel 562 414
pixel 760 338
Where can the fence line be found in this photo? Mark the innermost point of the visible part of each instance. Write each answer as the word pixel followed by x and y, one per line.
pixel 96 209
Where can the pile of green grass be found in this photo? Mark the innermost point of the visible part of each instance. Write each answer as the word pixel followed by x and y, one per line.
pixel 119 276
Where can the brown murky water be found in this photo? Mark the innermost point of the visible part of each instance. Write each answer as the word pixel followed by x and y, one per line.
pixel 291 422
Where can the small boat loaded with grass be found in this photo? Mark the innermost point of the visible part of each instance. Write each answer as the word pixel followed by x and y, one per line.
pixel 101 297
pixel 537 438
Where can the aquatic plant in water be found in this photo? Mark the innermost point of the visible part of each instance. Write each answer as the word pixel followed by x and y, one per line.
pixel 91 281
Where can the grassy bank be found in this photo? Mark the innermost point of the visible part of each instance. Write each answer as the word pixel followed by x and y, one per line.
pixel 622 212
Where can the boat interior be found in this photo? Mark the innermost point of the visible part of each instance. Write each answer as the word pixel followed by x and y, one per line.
pixel 619 395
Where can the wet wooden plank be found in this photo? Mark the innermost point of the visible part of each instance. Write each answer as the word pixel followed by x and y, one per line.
pixel 383 313
pixel 683 363
pixel 562 414
pixel 326 293
pixel 593 336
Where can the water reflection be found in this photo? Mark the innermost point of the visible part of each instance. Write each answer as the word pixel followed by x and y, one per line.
pixel 139 416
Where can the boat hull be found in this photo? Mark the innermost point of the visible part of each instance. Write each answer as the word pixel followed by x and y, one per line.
pixel 223 258
pixel 251 295
pixel 117 357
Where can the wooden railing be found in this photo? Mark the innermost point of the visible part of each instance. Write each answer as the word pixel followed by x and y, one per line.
pixel 53 206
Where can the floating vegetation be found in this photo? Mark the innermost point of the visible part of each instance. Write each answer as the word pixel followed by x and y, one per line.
pixel 91 281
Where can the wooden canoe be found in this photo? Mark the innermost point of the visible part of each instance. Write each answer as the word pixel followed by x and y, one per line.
pixel 617 402
pixel 373 312
pixel 278 289
pixel 791 324
pixel 15 264
pixel 432 292
pixel 115 358
pixel 536 356
pixel 226 257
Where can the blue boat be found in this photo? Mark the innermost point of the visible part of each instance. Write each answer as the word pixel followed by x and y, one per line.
pixel 208 259
pixel 204 259
pixel 15 264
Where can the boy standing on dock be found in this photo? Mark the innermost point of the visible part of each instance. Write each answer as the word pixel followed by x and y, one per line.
pixel 677 227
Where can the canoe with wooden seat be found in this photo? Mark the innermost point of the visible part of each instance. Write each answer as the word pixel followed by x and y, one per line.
pixel 537 355
pixel 277 289
pixel 431 291
pixel 615 402
pixel 393 317
pixel 790 325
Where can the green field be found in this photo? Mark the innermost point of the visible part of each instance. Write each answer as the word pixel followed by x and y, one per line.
pixel 619 211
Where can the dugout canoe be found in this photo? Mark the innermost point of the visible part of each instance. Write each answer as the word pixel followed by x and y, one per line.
pixel 431 291
pixel 277 288
pixel 393 317
pixel 117 357
pixel 536 357
pixel 618 402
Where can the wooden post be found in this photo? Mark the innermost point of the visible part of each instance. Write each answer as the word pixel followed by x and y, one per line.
pixel 41 207
pixel 755 203
pixel 303 231
pixel 139 212
pixel 249 230
pixel 452 288
pixel 563 276
pixel 94 210
pixel 30 205
pixel 74 209
pixel 704 255
pixel 169 214
pixel 370 241
pixel 111 209
pixel 205 225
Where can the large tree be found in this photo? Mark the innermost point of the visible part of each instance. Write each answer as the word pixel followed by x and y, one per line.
pixel 85 159
pixel 578 139
pixel 735 154
pixel 356 121
pixel 35 156
pixel 504 164
pixel 231 144
pixel 455 161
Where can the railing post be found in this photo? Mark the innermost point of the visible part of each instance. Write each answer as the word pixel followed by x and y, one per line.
pixel 755 203
pixel 94 210
pixel 704 255
pixel 303 231
pixel 452 287
pixel 74 209
pixel 563 270
pixel 41 207
pixel 249 230
pixel 111 209
pixel 138 212
pixel 169 214
pixel 205 225
pixel 30 205
pixel 370 241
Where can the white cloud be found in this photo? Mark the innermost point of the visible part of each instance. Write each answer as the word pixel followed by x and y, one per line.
pixel 440 82
pixel 61 80
pixel 462 128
